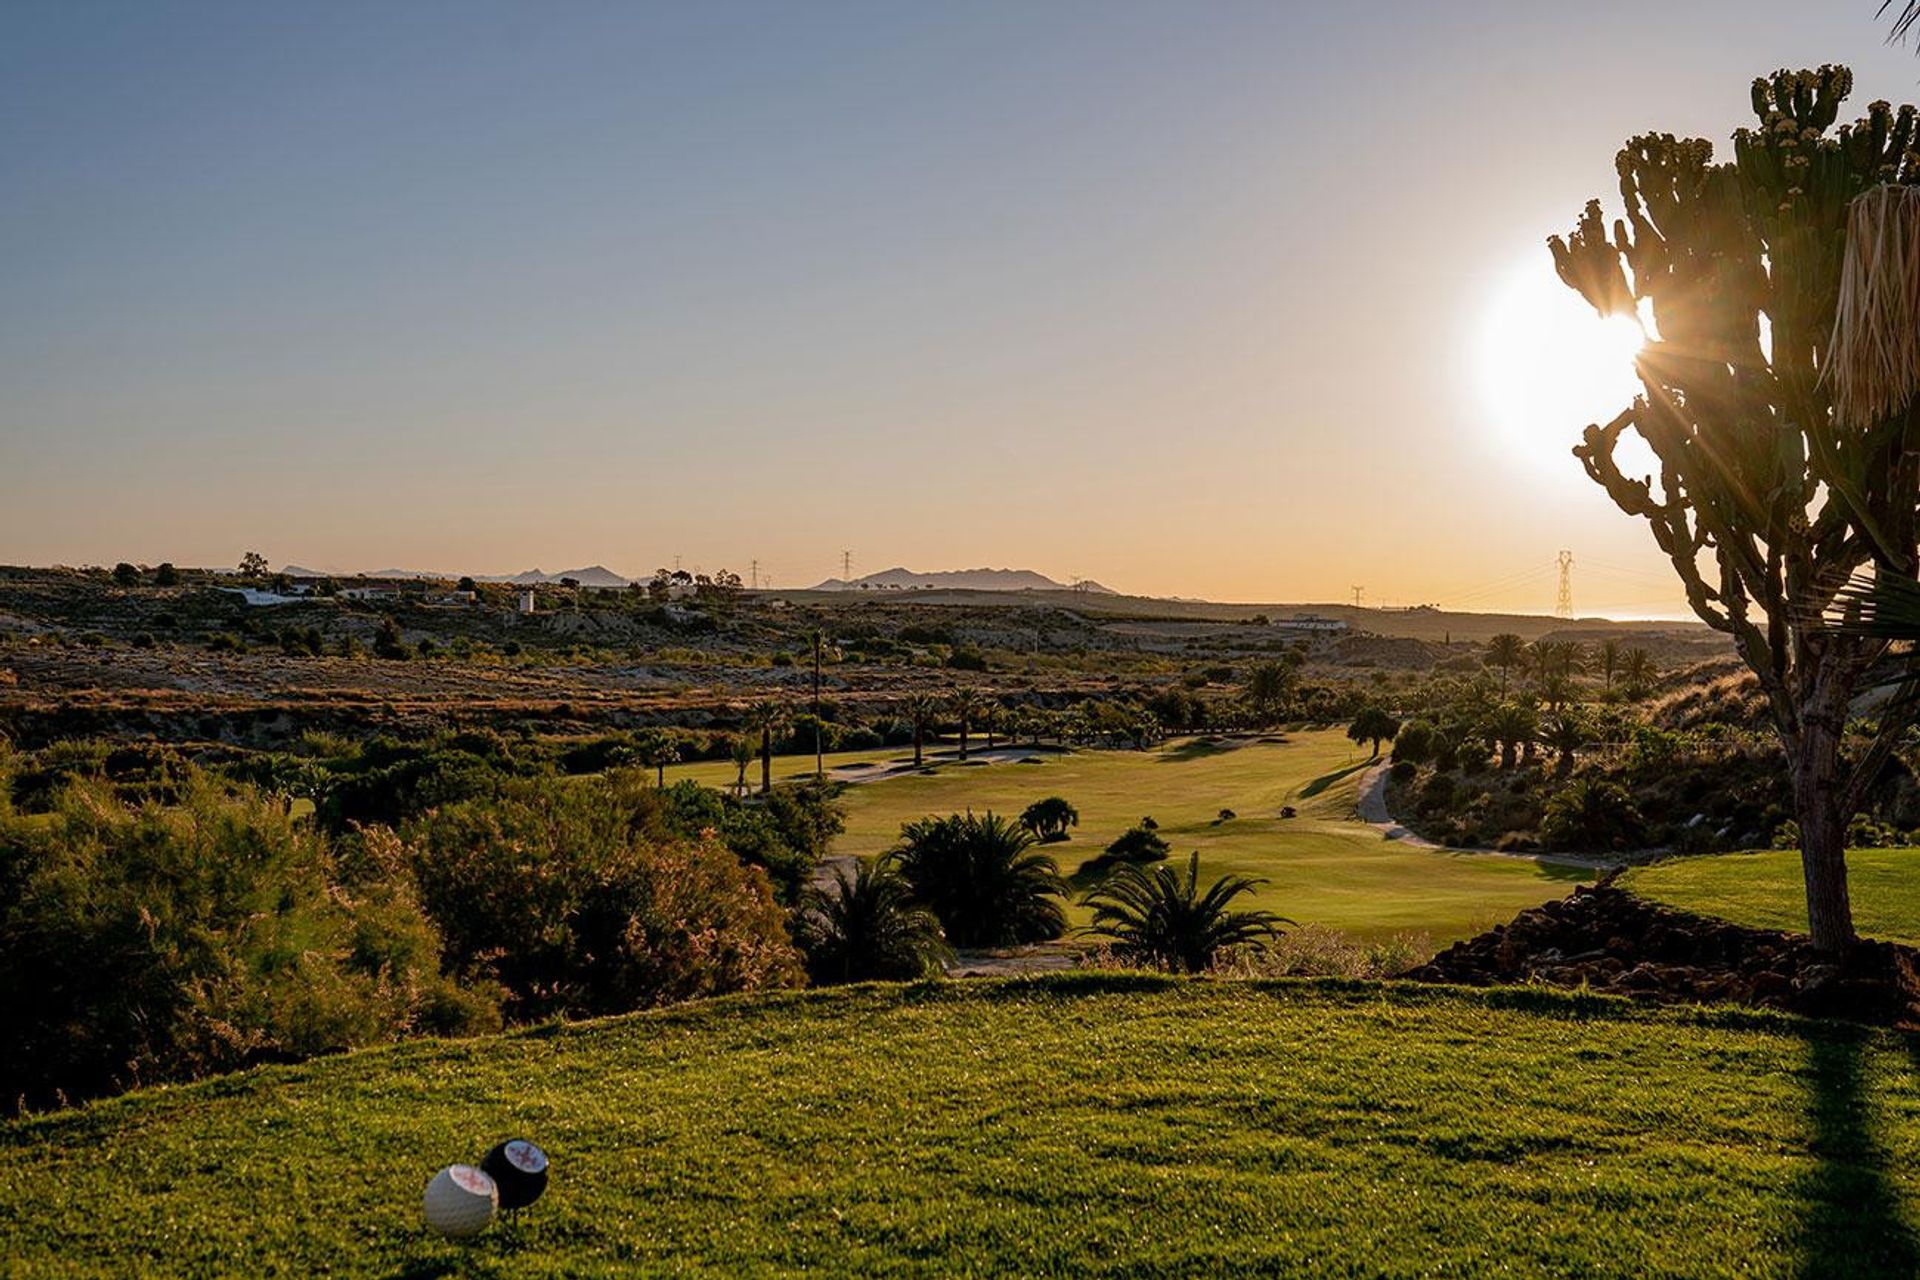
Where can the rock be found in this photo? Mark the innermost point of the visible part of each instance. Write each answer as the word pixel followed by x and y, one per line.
pixel 1607 939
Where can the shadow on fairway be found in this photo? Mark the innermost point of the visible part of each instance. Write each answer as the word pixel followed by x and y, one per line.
pixel 1853 1221
pixel 1198 749
pixel 1326 780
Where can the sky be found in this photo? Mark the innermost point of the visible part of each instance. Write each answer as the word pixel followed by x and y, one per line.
pixel 1232 300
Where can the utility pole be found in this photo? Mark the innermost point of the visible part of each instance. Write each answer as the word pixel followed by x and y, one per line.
pixel 819 765
pixel 1563 607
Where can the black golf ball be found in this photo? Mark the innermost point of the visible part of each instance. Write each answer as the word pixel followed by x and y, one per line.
pixel 519 1169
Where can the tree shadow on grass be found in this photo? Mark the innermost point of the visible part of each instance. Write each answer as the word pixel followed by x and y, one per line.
pixel 1853 1221
pixel 1198 749
pixel 1326 780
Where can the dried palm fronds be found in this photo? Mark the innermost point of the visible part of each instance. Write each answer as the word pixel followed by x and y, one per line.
pixel 1874 361
pixel 1881 605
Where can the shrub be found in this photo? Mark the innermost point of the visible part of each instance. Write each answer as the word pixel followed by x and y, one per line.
pixel 140 944
pixel 1161 918
pixel 388 643
pixel 967 658
pixel 556 894
pixel 391 784
pixel 860 738
pixel 868 927
pixel 1414 743
pixel 982 878
pixel 1591 813
pixel 1403 770
pixel 1138 844
pixel 1316 951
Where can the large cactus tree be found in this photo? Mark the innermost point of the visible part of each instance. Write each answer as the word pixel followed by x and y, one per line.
pixel 1766 501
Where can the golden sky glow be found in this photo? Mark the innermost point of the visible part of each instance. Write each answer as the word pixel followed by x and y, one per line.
pixel 1239 301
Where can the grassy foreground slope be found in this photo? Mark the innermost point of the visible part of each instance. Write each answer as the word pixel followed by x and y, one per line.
pixel 1076 1125
pixel 1765 891
pixel 1321 867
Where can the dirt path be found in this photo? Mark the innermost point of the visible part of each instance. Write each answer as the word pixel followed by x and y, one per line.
pixel 1373 811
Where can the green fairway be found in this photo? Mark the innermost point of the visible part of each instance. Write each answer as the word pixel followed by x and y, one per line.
pixel 1092 1124
pixel 1323 866
pixel 1765 889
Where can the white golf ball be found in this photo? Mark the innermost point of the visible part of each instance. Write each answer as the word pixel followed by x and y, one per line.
pixel 460 1201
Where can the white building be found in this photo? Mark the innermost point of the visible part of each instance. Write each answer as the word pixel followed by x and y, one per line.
pixel 1310 622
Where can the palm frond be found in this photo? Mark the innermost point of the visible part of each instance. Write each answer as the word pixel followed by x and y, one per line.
pixel 1877 605
pixel 1902 25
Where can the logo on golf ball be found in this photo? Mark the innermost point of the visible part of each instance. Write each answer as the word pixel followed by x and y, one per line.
pixel 460 1201
pixel 519 1169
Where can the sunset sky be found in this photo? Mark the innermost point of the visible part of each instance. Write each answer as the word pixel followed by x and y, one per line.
pixel 1202 300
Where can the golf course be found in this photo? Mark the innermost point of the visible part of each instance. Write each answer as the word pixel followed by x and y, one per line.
pixel 1322 866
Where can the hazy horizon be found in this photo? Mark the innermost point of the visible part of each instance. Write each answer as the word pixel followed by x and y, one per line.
pixel 1240 302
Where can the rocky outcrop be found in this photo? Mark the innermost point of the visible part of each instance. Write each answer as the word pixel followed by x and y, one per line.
pixel 1607 939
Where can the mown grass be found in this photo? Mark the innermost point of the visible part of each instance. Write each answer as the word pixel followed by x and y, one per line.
pixel 1322 866
pixel 1099 1124
pixel 1765 890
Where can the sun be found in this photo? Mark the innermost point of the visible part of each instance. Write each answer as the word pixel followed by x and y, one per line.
pixel 1547 366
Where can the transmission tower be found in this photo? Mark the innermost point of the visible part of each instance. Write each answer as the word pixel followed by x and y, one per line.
pixel 846 566
pixel 753 574
pixel 1563 606
pixel 1358 592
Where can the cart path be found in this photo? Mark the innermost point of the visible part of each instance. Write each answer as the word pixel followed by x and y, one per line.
pixel 1373 811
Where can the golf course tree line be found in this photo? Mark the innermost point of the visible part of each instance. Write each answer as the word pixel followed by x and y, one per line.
pixel 1572 747
pixel 164 919
pixel 1788 460
pixel 1571 765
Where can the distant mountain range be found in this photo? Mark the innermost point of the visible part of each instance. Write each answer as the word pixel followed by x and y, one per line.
pixel 959 580
pixel 592 576
pixel 897 579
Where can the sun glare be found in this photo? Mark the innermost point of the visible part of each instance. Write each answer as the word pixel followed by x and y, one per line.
pixel 1548 366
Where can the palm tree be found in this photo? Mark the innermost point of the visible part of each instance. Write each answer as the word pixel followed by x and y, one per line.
pixel 1373 725
pixel 1511 726
pixel 1561 658
pixel 868 928
pixel 967 703
pixel 1506 651
pixel 992 717
pixel 1159 917
pixel 763 718
pixel 1636 669
pixel 983 878
pixel 1610 655
pixel 1049 819
pixel 923 710
pixel 657 749
pixel 740 750
pixel 1566 733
